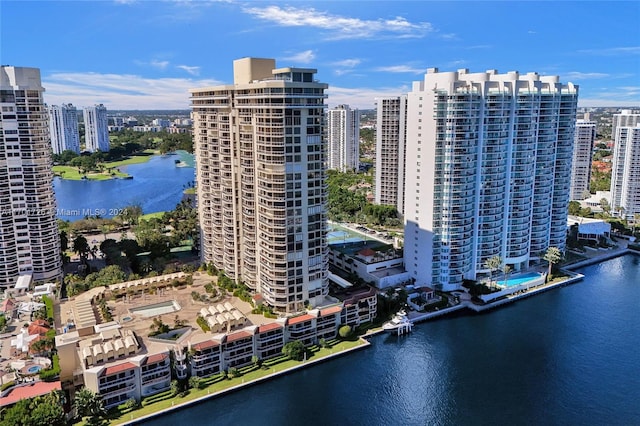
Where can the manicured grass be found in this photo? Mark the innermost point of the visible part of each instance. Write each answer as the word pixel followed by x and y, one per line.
pixel 190 191
pixel 134 159
pixel 72 173
pixel 149 216
pixel 163 401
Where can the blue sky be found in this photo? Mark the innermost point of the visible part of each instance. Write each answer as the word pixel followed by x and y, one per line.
pixel 145 54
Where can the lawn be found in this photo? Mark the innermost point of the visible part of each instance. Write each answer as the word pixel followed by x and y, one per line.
pixel 73 173
pixel 217 384
pixel 134 159
pixel 149 216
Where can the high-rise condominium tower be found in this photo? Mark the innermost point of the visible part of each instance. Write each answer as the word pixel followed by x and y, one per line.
pixel 63 127
pixel 488 172
pixel 96 129
pixel 29 240
pixel 391 124
pixel 343 134
pixel 626 118
pixel 585 136
pixel 261 181
pixel 625 173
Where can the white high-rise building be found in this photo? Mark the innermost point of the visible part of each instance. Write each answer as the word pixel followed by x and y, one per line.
pixel 488 172
pixel 261 181
pixel 96 128
pixel 391 124
pixel 29 240
pixel 343 134
pixel 625 118
pixel 625 173
pixel 63 126
pixel 585 136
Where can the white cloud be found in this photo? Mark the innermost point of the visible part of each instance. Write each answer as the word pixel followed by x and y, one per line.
pixel 302 58
pixel 456 63
pixel 611 51
pixel 120 91
pixel 577 75
pixel 159 64
pixel 340 27
pixel 191 70
pixel 401 69
pixel 345 66
pixel 347 63
pixel 361 97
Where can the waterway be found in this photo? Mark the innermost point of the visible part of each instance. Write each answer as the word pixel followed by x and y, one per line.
pixel 157 185
pixel 565 357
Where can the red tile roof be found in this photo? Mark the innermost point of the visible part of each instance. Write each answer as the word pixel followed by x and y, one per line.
pixel 29 391
pixel 238 335
pixel 118 368
pixel 205 345
pixel 330 311
pixel 152 359
pixel 301 318
pixel 268 327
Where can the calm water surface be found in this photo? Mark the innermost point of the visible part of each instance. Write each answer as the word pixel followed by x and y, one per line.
pixel 157 185
pixel 570 356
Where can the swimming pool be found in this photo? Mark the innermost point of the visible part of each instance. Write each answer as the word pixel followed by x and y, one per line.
pixel 156 309
pixel 520 279
pixel 34 369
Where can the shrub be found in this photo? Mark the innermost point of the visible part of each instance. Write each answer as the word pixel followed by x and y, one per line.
pixel 49 306
pixel 52 373
pixel 6 386
pixel 203 324
pixel 345 331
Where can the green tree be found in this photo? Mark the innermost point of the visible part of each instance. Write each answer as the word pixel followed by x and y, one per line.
pixel 294 350
pixel 574 208
pixel 42 410
pixel 89 404
pixel 553 256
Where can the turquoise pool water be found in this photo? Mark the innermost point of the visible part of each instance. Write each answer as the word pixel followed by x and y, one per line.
pixel 34 369
pixel 520 279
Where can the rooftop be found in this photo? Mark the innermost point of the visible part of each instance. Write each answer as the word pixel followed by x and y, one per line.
pixel 29 391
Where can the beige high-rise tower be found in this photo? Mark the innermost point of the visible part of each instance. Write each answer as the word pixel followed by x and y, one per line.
pixel 29 240
pixel 261 188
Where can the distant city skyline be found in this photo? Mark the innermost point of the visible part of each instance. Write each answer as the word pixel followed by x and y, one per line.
pixel 136 55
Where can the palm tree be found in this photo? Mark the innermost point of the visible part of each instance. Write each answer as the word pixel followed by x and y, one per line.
pixel 636 222
pixel 81 247
pixel 493 264
pixel 88 404
pixel 553 255
pixel 506 270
